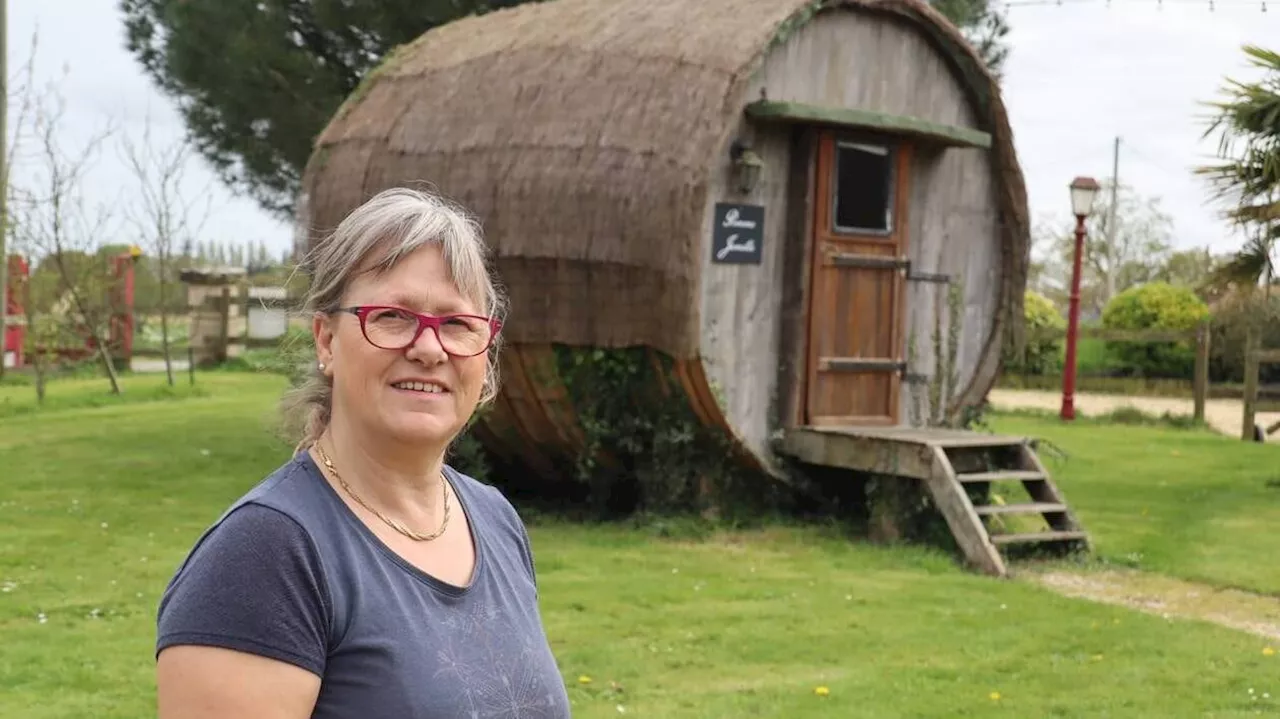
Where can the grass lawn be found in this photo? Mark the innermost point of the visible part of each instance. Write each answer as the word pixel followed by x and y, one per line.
pixel 98 504
pixel 1188 503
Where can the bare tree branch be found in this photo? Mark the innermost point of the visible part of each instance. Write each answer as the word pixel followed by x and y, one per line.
pixel 163 213
pixel 54 222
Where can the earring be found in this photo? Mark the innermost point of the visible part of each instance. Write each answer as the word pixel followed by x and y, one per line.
pixel 321 367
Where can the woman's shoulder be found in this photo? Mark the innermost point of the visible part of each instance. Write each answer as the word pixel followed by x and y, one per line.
pixel 253 582
pixel 270 528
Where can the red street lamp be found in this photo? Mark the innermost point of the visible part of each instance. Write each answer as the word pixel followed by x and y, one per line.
pixel 1083 190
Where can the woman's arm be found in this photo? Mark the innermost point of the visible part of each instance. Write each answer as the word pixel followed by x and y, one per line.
pixel 202 682
pixel 243 628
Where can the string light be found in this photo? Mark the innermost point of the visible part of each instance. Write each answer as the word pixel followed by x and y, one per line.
pixel 1212 5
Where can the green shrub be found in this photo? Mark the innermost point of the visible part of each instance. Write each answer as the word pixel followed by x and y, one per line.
pixel 1093 358
pixel 1154 306
pixel 1043 351
pixel 645 449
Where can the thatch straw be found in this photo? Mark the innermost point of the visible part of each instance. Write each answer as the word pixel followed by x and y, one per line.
pixel 582 133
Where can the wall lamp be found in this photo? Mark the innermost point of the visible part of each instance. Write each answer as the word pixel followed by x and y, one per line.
pixel 746 166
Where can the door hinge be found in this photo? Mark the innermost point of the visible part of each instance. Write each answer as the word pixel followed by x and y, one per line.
pixel 881 262
pixel 875 262
pixel 852 364
pixel 928 277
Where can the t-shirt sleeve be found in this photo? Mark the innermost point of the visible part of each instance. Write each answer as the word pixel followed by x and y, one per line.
pixel 254 584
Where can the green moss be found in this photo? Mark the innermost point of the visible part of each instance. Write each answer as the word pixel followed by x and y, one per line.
pixel 645 449
pixel 793 24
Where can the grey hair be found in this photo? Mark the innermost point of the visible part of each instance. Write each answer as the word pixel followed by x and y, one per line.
pixel 374 238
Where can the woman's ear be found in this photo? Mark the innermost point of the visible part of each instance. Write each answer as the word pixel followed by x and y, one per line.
pixel 322 332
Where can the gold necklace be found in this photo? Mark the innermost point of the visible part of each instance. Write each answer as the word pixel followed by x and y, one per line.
pixel 444 489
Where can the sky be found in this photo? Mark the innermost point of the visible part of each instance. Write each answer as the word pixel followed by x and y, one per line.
pixel 1079 74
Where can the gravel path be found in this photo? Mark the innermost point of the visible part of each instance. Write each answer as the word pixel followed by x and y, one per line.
pixel 1169 597
pixel 1224 415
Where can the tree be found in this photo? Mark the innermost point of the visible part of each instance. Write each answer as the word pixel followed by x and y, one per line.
pixel 163 217
pixel 1113 262
pixel 257 80
pixel 262 257
pixel 1248 176
pixel 983 26
pixel 52 221
pixel 1193 268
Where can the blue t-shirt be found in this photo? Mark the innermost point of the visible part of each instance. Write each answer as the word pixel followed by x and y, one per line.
pixel 289 572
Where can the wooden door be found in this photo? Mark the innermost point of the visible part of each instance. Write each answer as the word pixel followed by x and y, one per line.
pixel 858 281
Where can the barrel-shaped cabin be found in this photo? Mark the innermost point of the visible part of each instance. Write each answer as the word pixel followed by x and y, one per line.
pixel 813 209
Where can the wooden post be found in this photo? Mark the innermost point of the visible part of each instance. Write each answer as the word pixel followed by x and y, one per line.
pixel 1252 340
pixel 1201 381
pixel 244 312
pixel 191 364
pixel 224 329
pixel 1266 357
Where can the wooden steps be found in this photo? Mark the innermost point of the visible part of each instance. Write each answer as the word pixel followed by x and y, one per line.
pixel 956 465
pixel 999 476
pixel 1037 537
pixel 984 510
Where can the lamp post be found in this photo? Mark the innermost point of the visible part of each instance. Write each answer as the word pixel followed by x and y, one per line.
pixel 1083 190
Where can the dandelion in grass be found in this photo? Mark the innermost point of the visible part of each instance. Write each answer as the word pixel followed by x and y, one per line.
pixel 1268 652
pixel 995 696
pixel 584 679
pixel 822 691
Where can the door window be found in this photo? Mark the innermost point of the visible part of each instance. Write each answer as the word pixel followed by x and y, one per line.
pixel 862 199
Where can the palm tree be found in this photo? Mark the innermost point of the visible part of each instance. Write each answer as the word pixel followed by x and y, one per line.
pixel 1248 177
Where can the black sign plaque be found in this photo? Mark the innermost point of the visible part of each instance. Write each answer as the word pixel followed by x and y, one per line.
pixel 738 234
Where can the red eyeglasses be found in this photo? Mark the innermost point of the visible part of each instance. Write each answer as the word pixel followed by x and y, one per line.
pixel 396 328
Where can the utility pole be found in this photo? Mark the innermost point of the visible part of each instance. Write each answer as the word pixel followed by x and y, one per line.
pixel 4 181
pixel 1111 220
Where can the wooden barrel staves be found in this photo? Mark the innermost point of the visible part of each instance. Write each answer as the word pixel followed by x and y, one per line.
pixel 705 246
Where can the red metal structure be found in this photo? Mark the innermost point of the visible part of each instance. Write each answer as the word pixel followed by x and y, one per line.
pixel 121 337
pixel 13 318
pixel 120 323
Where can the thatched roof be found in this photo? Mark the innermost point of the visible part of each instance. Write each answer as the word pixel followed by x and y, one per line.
pixel 582 134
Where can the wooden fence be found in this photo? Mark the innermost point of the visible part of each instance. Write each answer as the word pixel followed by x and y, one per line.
pixel 1200 337
pixel 1255 358
pixel 223 321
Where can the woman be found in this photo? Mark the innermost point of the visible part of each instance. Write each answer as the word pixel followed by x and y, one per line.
pixel 365 578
